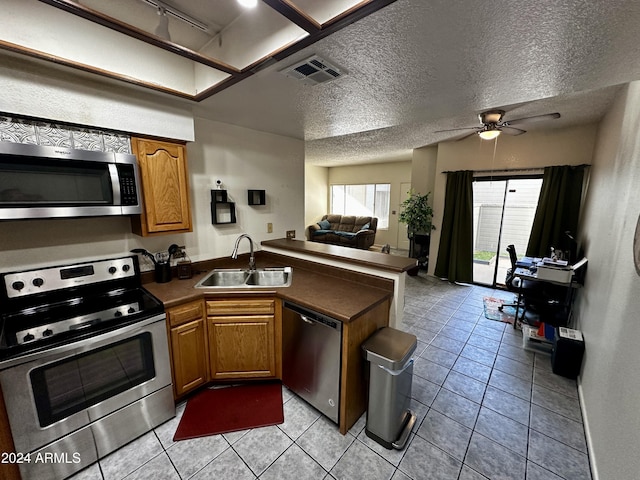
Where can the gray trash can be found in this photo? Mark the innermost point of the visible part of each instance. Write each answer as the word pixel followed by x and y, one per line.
pixel 389 419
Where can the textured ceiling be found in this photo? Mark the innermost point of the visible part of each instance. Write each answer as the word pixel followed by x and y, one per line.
pixel 415 67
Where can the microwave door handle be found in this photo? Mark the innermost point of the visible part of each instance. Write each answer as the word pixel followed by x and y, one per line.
pixel 115 183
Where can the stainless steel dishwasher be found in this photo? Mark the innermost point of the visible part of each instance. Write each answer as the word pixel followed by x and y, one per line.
pixel 311 357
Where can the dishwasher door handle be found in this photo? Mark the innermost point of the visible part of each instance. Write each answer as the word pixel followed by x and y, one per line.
pixel 306 319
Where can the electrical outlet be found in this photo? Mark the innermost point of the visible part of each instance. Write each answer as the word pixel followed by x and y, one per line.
pixel 269 227
pixel 291 234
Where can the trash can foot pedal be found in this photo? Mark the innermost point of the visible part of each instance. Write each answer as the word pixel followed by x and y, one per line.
pixel 404 436
pixel 401 442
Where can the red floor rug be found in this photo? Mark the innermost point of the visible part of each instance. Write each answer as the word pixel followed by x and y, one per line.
pixel 222 410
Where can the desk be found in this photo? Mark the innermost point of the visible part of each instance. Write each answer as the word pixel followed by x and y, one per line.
pixel 526 274
pixel 566 303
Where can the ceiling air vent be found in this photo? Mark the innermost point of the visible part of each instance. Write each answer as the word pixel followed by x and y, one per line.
pixel 313 70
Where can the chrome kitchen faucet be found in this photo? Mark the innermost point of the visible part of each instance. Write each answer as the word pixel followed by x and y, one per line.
pixel 252 259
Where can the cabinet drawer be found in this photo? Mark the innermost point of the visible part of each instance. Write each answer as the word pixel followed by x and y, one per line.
pixel 185 313
pixel 247 307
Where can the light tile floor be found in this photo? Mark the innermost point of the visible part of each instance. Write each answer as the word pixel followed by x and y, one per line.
pixel 486 408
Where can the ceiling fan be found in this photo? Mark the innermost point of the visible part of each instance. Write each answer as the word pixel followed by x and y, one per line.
pixel 492 124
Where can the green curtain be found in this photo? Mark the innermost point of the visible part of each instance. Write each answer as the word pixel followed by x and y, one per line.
pixel 455 253
pixel 558 209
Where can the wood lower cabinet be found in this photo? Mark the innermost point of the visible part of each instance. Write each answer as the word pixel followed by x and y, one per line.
pixel 224 339
pixel 245 338
pixel 188 339
pixel 165 188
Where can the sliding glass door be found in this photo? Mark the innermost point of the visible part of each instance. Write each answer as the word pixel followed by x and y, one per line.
pixel 503 211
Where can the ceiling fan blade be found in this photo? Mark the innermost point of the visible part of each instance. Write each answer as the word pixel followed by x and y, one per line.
pixel 535 118
pixel 511 131
pixel 462 137
pixel 458 129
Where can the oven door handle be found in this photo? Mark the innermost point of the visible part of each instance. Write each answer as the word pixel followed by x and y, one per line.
pixel 82 345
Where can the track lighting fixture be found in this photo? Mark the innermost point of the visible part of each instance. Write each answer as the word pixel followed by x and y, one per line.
pixel 162 30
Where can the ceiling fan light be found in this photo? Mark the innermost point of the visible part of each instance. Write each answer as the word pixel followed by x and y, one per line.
pixel 248 3
pixel 488 134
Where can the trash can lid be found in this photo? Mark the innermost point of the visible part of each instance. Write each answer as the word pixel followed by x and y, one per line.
pixel 390 348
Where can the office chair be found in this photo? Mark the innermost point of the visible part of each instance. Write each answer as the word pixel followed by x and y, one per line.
pixel 513 283
pixel 510 278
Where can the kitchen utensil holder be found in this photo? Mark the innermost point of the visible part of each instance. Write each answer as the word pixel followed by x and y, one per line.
pixel 163 272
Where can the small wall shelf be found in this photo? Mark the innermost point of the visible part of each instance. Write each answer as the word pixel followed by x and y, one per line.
pixel 218 196
pixel 257 197
pixel 222 211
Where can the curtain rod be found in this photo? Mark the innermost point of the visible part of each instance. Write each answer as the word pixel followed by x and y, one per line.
pixel 516 170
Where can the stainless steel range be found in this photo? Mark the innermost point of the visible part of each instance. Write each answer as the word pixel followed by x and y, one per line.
pixel 84 363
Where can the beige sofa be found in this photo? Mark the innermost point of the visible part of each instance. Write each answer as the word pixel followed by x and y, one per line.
pixel 344 230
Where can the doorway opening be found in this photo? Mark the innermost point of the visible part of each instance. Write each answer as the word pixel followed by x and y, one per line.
pixel 503 212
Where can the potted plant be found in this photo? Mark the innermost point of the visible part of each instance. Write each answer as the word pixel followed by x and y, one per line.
pixel 417 214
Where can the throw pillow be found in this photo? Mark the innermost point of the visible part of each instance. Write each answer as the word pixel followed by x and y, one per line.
pixel 365 227
pixel 324 224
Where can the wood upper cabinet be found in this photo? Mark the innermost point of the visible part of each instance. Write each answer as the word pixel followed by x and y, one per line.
pixel 245 338
pixel 188 338
pixel 165 188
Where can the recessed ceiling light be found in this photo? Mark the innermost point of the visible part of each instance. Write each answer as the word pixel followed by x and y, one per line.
pixel 248 3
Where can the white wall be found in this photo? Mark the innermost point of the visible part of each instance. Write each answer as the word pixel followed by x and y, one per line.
pixel 423 169
pixel 244 159
pixel 393 173
pixel 537 149
pixel 608 308
pixel 31 89
pixel 316 195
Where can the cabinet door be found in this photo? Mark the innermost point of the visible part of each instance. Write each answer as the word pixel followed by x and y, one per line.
pixel 242 346
pixel 189 353
pixel 165 187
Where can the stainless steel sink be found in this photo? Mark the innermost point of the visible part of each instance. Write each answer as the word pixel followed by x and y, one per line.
pixel 269 277
pixel 238 278
pixel 224 278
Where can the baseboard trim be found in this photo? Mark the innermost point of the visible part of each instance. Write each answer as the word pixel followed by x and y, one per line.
pixel 587 433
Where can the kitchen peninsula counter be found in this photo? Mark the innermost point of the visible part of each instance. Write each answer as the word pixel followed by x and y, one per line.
pixel 380 265
pixel 343 295
pixel 365 258
pixel 359 300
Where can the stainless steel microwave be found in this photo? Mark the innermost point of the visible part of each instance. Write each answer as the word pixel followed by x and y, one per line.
pixel 51 182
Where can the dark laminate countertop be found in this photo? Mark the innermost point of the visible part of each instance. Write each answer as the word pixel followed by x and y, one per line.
pixel 341 296
pixel 380 261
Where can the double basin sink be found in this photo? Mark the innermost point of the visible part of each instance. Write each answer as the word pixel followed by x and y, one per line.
pixel 239 278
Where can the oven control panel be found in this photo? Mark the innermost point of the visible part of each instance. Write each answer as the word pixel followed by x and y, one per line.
pixel 30 282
